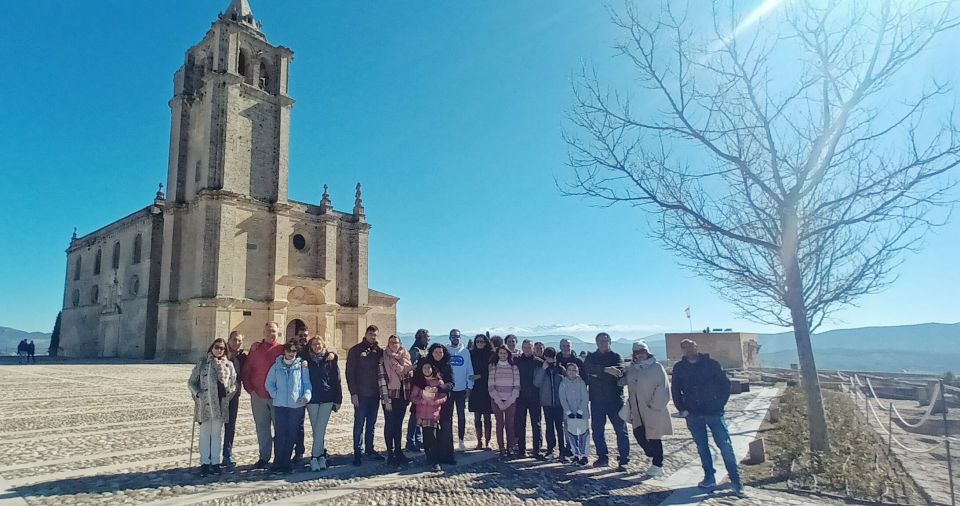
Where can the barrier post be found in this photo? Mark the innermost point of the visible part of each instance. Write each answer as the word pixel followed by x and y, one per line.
pixel 946 440
pixel 890 428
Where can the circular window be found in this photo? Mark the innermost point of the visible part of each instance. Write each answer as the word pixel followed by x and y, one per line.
pixel 299 242
pixel 75 297
pixel 95 294
pixel 134 286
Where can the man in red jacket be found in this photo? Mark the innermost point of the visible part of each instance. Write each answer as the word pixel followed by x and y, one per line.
pixel 261 358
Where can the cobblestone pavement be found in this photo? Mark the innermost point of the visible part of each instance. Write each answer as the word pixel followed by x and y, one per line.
pixel 109 434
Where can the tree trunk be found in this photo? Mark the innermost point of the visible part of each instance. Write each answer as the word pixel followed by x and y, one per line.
pixel 810 381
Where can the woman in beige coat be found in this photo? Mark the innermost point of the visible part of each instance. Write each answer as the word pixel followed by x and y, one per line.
pixel 646 406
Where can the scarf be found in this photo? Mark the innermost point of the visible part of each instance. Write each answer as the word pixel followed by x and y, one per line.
pixel 220 366
pixel 398 366
pixel 644 363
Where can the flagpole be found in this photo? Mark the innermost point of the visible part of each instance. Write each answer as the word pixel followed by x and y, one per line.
pixel 689 320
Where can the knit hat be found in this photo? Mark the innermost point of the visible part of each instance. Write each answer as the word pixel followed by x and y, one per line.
pixel 641 345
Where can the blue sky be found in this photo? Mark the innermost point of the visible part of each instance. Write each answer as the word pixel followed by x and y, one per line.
pixel 449 113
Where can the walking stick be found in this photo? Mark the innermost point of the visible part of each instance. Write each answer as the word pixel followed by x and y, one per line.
pixel 193 432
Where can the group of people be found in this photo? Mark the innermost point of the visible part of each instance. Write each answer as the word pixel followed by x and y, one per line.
pixel 26 351
pixel 429 384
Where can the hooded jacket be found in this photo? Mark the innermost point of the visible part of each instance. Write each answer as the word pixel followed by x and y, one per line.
pixel 574 398
pixel 288 383
pixel 701 387
pixel 428 399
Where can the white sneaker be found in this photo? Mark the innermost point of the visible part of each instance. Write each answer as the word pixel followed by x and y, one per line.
pixel 313 464
pixel 654 471
pixel 463 447
pixel 321 463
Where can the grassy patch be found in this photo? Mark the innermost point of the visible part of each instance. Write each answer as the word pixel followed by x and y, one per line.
pixel 856 468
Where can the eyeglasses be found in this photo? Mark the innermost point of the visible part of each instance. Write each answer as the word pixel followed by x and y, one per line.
pixel 218 347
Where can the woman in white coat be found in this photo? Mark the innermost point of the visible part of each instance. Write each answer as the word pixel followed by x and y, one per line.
pixel 646 406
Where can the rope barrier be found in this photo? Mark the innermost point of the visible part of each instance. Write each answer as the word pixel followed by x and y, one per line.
pixel 936 394
pixel 885 432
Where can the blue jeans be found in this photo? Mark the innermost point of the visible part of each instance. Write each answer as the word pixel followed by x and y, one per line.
pixel 600 412
pixel 414 434
pixel 698 424
pixel 285 428
pixel 364 418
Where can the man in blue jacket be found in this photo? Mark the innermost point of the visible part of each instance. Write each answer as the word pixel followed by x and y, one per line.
pixel 462 381
pixel 700 392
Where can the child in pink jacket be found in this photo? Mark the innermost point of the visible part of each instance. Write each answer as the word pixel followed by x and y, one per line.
pixel 428 399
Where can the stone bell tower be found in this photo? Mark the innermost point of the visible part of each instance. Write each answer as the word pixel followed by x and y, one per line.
pixel 231 113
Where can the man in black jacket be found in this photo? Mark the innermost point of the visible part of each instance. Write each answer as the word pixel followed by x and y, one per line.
pixel 529 400
pixel 700 391
pixel 603 368
pixel 363 366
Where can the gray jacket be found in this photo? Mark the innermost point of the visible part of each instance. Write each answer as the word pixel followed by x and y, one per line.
pixel 574 397
pixel 548 381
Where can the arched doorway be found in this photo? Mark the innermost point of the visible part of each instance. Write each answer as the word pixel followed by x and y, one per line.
pixel 293 326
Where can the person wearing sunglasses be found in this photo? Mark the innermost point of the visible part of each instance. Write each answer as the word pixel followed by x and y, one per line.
pixel 212 383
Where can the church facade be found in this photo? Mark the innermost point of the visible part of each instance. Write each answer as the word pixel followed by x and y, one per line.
pixel 224 248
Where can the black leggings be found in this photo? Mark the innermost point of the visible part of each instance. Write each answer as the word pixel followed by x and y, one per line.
pixel 652 448
pixel 393 426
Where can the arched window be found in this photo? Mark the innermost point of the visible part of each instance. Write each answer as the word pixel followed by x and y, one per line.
pixel 115 261
pixel 244 67
pixel 137 247
pixel 265 80
pixel 96 262
pixel 95 295
pixel 76 269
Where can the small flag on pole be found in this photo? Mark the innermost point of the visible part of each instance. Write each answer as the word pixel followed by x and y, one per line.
pixel 687 311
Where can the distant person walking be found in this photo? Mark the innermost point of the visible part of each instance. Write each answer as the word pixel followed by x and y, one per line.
pixel 238 358
pixel 418 352
pixel 31 352
pixel 212 383
pixel 603 370
pixel 462 367
pixel 288 383
pixel 325 399
pixel 22 351
pixel 263 354
pixel 503 385
pixel 648 394
pixel 574 400
pixel 529 401
pixel 395 373
pixel 700 393
pixel 429 395
pixel 480 405
pixel 363 366
pixel 548 378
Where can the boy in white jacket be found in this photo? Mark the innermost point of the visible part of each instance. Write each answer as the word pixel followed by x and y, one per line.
pixel 463 378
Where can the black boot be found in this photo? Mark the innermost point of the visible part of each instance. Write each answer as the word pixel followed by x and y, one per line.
pixel 356 458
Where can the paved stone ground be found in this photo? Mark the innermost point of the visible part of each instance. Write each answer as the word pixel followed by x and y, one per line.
pixel 111 434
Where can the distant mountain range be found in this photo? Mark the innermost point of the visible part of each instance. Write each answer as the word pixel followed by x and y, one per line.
pixel 10 338
pixel 920 348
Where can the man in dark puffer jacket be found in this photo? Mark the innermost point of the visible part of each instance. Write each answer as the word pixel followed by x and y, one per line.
pixel 700 391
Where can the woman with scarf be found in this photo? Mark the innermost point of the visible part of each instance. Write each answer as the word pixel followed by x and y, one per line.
pixel 480 405
pixel 394 375
pixel 646 406
pixel 212 382
pixel 439 358
pixel 326 397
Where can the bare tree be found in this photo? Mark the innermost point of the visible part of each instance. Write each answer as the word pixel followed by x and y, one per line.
pixel 770 152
